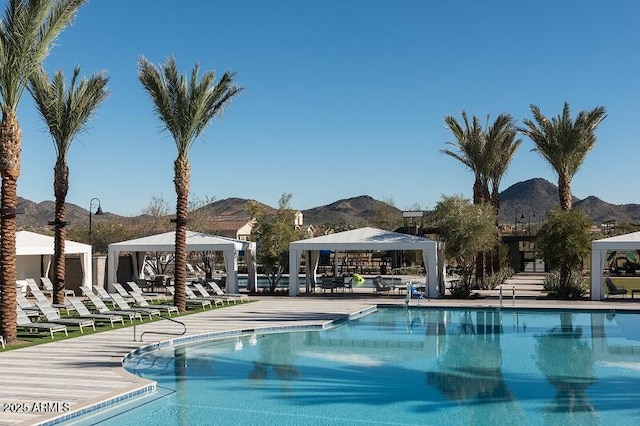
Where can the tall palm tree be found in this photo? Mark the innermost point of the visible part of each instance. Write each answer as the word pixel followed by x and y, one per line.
pixel 27 32
pixel 470 151
pixel 66 113
pixel 501 145
pixel 185 106
pixel 564 143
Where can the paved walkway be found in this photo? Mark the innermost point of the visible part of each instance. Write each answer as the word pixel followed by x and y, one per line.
pixel 80 372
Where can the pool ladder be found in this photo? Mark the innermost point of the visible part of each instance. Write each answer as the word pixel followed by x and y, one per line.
pixel 160 332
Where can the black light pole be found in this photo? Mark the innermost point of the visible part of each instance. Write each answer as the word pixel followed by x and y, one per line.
pixel 98 212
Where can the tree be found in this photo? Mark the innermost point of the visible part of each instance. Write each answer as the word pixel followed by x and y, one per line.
pixel 487 152
pixel 470 151
pixel 27 32
pixel 466 229
pixel 564 241
pixel 386 215
pixel 185 106
pixel 66 113
pixel 272 234
pixel 564 143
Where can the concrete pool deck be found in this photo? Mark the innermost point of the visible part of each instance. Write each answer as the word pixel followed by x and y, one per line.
pixel 55 379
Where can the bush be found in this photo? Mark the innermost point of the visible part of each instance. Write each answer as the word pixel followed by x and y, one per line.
pixel 497 278
pixel 575 288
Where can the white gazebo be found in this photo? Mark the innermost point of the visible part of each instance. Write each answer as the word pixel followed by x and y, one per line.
pixel 34 253
pixel 196 241
pixel 359 240
pixel 599 249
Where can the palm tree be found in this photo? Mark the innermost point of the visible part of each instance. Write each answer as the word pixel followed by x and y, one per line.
pixel 501 145
pixel 185 106
pixel 564 143
pixel 27 32
pixel 470 151
pixel 66 114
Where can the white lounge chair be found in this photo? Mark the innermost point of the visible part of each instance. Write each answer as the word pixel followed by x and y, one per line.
pixel 24 323
pixel 84 312
pixel 40 297
pixel 194 301
pixel 142 302
pixel 217 290
pixel 203 291
pixel 124 306
pixel 53 316
pixel 48 288
pixel 192 295
pixel 147 295
pixel 104 309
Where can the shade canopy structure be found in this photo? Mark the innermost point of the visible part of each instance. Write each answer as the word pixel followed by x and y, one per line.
pixel 34 254
pixel 599 249
pixel 197 242
pixel 362 239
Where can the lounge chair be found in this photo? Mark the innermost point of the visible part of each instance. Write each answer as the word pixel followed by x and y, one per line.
pixel 48 288
pixel 53 316
pixel 142 302
pixel 122 292
pixel 147 295
pixel 191 295
pixel 84 312
pixel 29 308
pixel 380 287
pixel 103 309
pixel 40 297
pixel 613 289
pixel 203 291
pixel 102 294
pixel 219 292
pixel 192 301
pixel 124 306
pixel 24 323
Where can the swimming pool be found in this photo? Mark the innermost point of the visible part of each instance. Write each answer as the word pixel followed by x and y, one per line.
pixel 403 366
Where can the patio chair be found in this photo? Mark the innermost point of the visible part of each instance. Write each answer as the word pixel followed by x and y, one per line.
pixel 203 291
pixel 53 316
pixel 104 309
pixel 48 288
pixel 123 305
pixel 191 295
pixel 24 323
pixel 142 302
pixel 219 292
pixel 192 301
pixel 613 289
pixel 29 308
pixel 380 287
pixel 122 292
pixel 102 294
pixel 40 297
pixel 84 312
pixel 147 295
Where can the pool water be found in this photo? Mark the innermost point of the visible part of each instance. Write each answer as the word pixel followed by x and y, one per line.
pixel 403 366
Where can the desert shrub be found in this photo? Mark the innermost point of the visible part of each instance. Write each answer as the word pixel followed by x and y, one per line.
pixel 494 280
pixel 575 286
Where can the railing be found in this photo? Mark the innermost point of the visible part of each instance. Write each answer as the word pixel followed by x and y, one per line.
pixel 160 332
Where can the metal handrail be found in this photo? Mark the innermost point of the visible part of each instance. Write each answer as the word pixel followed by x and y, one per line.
pixel 160 332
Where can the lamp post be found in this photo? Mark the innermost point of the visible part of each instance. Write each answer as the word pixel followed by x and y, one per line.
pixel 523 222
pixel 98 212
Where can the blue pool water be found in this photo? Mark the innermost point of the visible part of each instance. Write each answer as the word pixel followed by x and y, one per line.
pixel 403 367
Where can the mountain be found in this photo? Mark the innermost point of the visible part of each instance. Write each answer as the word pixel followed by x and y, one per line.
pixel 532 199
pixel 527 201
pixel 353 212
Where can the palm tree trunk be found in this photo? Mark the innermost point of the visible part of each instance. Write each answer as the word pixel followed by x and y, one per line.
pixel 182 173
pixel 564 192
pixel 60 189
pixel 10 139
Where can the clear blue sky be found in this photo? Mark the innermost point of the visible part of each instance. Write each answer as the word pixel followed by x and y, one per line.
pixel 342 97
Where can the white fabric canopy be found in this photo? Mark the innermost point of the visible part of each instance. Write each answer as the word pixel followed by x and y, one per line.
pixel 359 240
pixel 33 251
pixel 196 241
pixel 599 249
